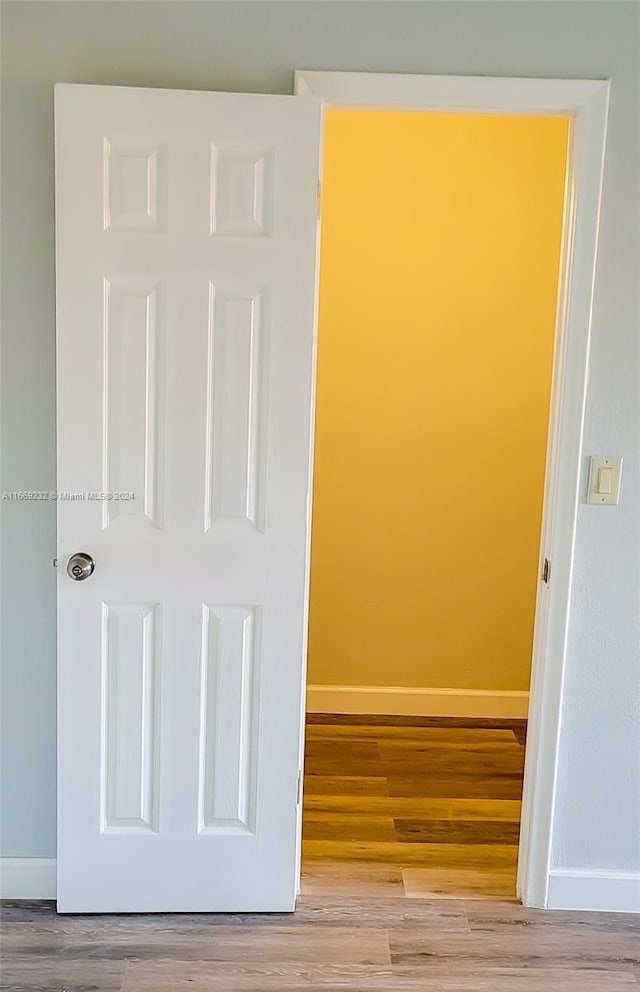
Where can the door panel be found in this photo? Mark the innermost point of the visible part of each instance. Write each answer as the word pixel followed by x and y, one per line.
pixel 129 790
pixel 228 742
pixel 186 238
pixel 236 414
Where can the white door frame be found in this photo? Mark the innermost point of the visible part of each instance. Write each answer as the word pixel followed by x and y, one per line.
pixel 586 102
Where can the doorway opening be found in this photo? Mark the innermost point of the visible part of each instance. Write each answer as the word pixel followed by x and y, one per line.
pixel 440 264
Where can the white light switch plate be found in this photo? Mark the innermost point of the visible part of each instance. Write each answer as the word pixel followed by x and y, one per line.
pixel 604 480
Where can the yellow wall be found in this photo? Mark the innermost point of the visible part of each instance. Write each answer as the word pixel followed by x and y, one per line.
pixel 439 265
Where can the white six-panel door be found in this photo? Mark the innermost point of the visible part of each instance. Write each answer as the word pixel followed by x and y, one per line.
pixel 186 234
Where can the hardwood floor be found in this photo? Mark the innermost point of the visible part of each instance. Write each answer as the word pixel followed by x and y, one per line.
pixel 404 890
pixel 430 806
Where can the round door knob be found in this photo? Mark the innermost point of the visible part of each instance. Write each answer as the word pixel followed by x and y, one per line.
pixel 80 566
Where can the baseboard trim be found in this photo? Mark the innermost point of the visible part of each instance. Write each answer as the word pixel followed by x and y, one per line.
pixel 569 888
pixel 401 701
pixel 601 891
pixel 27 878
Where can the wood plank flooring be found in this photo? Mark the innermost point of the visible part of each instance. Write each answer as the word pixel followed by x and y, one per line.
pixel 406 891
pixel 430 806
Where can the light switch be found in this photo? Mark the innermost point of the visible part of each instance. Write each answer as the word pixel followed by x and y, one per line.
pixel 604 480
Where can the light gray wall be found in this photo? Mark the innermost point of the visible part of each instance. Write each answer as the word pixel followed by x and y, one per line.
pixel 255 47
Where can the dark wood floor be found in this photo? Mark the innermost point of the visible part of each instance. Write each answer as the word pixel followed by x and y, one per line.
pixel 412 805
pixel 403 891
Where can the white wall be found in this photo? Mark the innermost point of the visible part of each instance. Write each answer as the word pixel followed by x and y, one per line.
pixel 255 47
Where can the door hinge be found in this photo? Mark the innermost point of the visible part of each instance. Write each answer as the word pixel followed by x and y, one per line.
pixel 299 788
pixel 319 203
pixel 546 571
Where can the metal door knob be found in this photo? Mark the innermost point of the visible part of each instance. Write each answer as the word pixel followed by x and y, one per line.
pixel 80 566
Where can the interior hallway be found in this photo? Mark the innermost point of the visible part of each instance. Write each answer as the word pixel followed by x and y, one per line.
pixel 412 806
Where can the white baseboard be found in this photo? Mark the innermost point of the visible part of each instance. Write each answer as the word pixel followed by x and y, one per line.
pixel 27 878
pixel 401 701
pixel 604 891
pixel 569 888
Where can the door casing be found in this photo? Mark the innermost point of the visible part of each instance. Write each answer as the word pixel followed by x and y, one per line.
pixel 586 102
